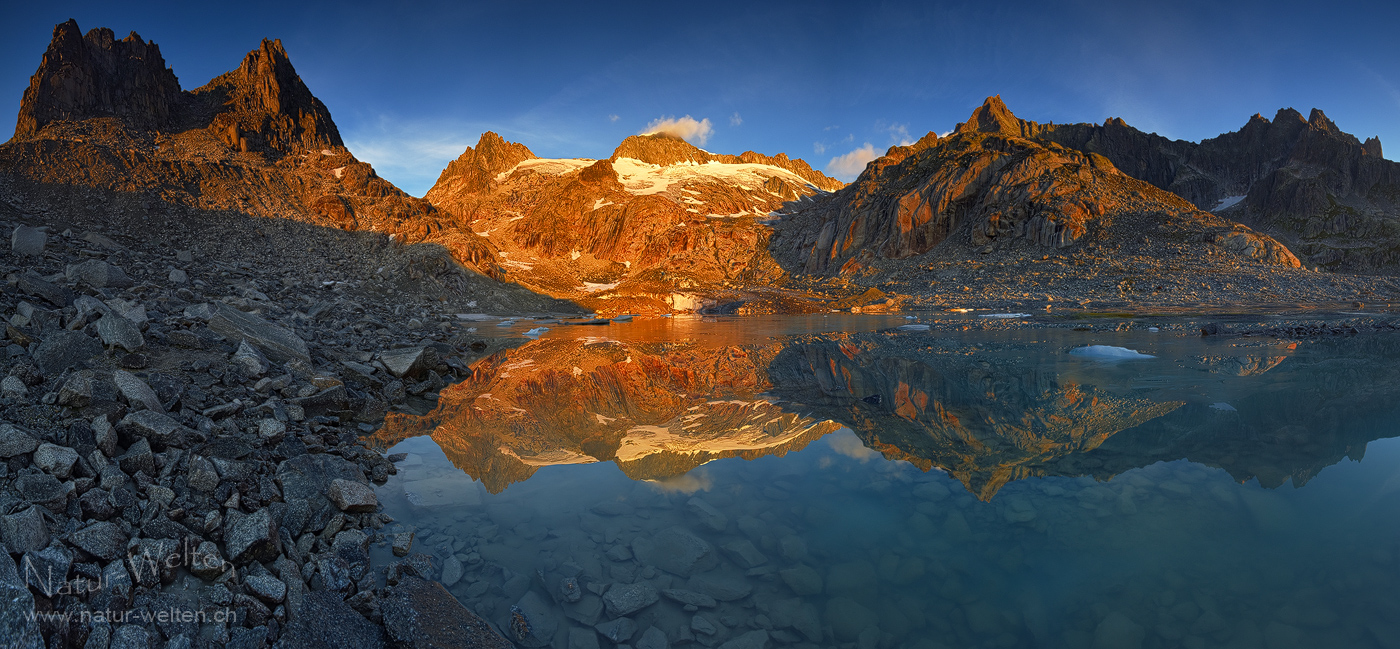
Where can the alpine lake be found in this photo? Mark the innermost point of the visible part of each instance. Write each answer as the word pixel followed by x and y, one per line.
pixel 837 481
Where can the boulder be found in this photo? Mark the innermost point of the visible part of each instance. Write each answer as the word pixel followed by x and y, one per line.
pixel 129 309
pixel 308 478
pixel 325 621
pixel 26 241
pixel 626 599
pixel 252 538
pixel 30 283
pixel 117 331
pixel 77 389
pixel 44 489
pixel 409 361
pixel 12 387
pixel 250 362
pixel 419 614
pixel 46 570
pixel 675 550
pixel 533 621
pixel 136 392
pixel 56 460
pixel 278 343
pixel 265 587
pixel 155 426
pixel 14 441
pixel 61 350
pixel 351 496
pixel 98 274
pixel 103 540
pixel 24 531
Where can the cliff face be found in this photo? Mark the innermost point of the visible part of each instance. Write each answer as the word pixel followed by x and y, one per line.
pixel 993 182
pixel 98 76
pixel 106 115
pixel 1332 197
pixel 659 226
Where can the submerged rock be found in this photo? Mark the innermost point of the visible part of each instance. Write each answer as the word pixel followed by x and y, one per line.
pixel 419 614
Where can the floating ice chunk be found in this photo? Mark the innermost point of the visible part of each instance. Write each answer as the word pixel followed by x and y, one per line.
pixel 1005 315
pixel 506 323
pixel 910 317
pixel 1153 329
pixel 1221 405
pixel 536 331
pixel 912 327
pixel 626 317
pixel 1108 353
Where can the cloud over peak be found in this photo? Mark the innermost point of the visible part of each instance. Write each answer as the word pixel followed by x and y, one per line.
pixel 687 128
pixel 849 165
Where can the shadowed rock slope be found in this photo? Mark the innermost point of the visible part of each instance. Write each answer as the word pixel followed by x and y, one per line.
pixel 1333 198
pixel 105 134
pixel 993 205
pixel 660 225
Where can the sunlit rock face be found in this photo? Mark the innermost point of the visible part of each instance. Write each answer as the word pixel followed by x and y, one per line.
pixel 661 225
pixel 995 181
pixel 657 410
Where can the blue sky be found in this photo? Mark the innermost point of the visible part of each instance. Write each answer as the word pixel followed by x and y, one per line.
pixel 411 84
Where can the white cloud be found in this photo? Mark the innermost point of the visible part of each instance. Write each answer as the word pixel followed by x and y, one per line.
pixel 849 165
pixel 612 118
pixel 819 147
pixel 900 133
pixel 735 120
pixel 846 443
pixel 686 128
pixel 688 483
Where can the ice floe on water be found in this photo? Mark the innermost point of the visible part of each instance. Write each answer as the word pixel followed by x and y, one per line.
pixel 913 327
pixel 536 331
pixel 1005 315
pixel 1108 353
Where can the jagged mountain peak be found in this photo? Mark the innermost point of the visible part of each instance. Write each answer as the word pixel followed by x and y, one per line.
pixel 96 75
pixel 661 149
pixel 992 117
pixel 474 170
pixel 1318 120
pixel 266 98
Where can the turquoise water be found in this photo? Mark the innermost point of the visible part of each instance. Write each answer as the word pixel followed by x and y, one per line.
pixel 999 492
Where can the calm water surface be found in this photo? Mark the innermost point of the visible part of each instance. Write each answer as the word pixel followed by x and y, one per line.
pixel 828 482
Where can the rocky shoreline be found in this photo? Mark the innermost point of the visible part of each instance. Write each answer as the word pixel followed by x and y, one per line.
pixel 181 436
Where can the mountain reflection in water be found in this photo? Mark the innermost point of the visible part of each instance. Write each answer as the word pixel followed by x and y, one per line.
pixel 987 407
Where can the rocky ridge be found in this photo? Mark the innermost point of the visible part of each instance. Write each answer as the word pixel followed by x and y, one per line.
pixel 661 225
pixel 107 115
pixel 1331 197
pixel 992 204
